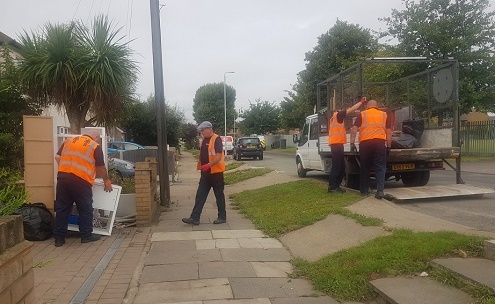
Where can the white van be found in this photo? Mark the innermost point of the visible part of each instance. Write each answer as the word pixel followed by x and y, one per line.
pixel 228 143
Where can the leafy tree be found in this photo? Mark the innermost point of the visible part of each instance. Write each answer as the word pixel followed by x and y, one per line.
pixel 12 107
pixel 189 134
pixel 139 122
pixel 260 118
pixel 342 46
pixel 464 30
pixel 209 104
pixel 79 69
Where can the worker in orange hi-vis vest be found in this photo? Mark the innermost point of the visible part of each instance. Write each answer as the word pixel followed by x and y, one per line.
pixel 337 137
pixel 80 160
pixel 375 138
pixel 212 165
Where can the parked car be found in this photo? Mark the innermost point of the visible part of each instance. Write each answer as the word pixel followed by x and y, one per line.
pixel 248 147
pixel 228 143
pixel 123 168
pixel 122 146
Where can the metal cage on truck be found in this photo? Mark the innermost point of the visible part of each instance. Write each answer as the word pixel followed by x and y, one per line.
pixel 411 89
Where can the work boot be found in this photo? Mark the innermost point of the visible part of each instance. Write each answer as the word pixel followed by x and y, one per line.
pixel 379 194
pixel 336 190
pixel 190 220
pixel 92 238
pixel 219 221
pixel 59 242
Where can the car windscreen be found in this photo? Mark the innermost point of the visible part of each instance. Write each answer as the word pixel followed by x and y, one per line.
pixel 249 141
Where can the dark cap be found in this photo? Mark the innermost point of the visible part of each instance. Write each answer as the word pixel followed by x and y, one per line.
pixel 204 125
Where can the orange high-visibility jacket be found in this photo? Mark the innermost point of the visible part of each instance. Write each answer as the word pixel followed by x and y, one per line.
pixel 336 133
pixel 77 157
pixel 218 167
pixel 373 125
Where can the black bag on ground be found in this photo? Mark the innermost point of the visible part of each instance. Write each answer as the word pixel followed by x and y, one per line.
pixel 413 127
pixel 37 220
pixel 404 141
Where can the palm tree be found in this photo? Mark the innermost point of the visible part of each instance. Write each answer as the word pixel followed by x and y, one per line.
pixel 79 69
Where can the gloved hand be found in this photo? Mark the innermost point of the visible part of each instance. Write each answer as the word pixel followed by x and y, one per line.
pixel 353 148
pixel 363 100
pixel 205 167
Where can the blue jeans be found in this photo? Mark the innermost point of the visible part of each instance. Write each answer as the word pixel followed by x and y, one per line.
pixel 68 193
pixel 206 182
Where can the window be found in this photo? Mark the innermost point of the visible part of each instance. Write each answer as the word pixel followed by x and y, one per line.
pixel 314 129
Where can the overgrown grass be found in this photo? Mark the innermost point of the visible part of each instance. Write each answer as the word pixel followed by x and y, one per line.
pixel 288 150
pixel 239 176
pixel 345 274
pixel 233 165
pixel 286 207
pixel 472 159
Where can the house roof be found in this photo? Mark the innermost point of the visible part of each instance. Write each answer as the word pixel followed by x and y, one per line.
pixel 7 40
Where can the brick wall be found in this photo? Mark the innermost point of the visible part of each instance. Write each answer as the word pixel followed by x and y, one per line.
pixel 146 188
pixel 16 263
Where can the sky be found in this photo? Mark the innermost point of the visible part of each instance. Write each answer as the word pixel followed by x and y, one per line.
pixel 262 41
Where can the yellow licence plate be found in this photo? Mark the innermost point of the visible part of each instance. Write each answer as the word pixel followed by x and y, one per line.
pixel 403 167
pixel 250 147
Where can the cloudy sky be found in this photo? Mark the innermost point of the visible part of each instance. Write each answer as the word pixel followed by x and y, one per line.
pixel 262 41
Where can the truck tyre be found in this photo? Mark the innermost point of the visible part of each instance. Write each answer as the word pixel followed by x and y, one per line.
pixel 416 178
pixel 301 172
pixel 352 181
pixel 425 178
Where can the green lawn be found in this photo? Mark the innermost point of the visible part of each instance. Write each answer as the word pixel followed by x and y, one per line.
pixel 344 275
pixel 239 176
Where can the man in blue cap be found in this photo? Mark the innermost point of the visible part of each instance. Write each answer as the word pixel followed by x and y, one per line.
pixel 212 165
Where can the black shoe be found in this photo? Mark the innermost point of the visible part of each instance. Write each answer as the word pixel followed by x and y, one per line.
pixel 59 242
pixel 190 220
pixel 92 238
pixel 364 194
pixel 219 221
pixel 379 194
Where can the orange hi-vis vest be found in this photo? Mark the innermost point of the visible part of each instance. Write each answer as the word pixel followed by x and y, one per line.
pixel 373 122
pixel 218 167
pixel 77 157
pixel 336 133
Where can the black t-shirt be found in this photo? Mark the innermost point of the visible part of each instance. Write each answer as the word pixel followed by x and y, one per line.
pixel 204 149
pixel 341 115
pixel 99 161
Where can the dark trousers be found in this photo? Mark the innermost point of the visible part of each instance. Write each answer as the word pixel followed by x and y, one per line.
pixel 337 172
pixel 68 193
pixel 206 182
pixel 373 156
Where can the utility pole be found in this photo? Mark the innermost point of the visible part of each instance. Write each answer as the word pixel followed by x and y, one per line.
pixel 161 125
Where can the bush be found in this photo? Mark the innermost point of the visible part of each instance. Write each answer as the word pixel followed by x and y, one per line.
pixel 12 195
pixel 128 184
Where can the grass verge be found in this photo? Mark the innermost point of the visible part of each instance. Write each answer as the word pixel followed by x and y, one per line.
pixel 286 207
pixel 289 150
pixel 239 176
pixel 345 274
pixel 233 165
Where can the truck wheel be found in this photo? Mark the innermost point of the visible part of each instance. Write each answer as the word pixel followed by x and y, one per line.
pixel 301 172
pixel 425 178
pixel 415 179
pixel 352 181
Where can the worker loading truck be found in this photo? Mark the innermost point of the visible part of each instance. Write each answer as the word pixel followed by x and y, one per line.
pixel 421 110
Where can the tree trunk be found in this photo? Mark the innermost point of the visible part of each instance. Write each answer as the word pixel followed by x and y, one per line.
pixel 77 116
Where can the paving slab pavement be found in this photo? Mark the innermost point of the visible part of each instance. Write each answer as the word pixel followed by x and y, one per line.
pixel 150 265
pixel 226 263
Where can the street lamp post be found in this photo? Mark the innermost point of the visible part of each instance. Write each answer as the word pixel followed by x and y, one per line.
pixel 225 111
